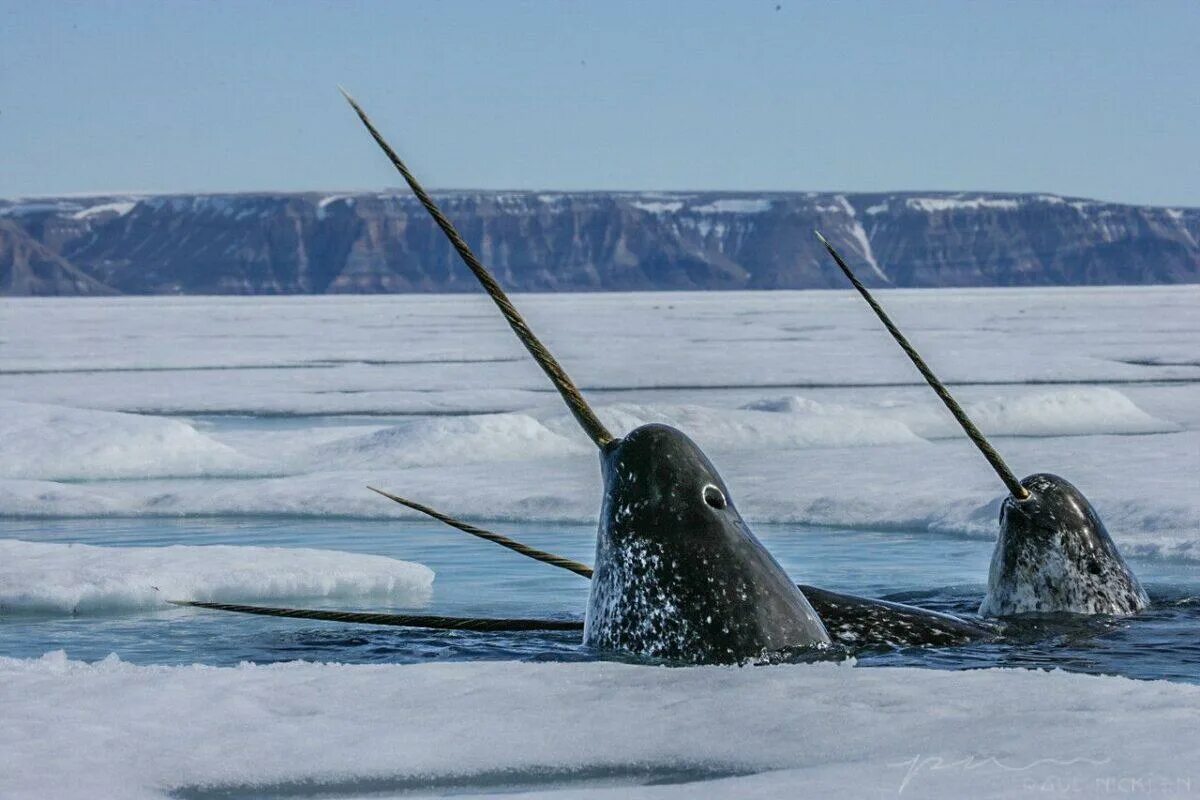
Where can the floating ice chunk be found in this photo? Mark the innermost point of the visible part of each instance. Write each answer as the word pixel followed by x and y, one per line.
pixel 54 578
pixel 60 443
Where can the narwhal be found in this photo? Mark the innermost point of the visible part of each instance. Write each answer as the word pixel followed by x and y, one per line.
pixel 651 479
pixel 853 622
pixel 629 608
pixel 1054 553
pixel 678 574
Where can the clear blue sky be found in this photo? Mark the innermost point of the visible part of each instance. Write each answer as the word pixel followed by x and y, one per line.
pixel 1098 99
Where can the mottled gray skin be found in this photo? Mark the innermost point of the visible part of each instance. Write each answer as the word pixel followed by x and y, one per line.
pixel 855 622
pixel 678 576
pixel 1054 555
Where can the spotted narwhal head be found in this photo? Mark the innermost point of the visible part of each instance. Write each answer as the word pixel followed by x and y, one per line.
pixel 678 574
pixel 1053 554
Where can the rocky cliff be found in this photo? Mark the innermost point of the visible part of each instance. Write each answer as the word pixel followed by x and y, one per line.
pixel 27 267
pixel 582 241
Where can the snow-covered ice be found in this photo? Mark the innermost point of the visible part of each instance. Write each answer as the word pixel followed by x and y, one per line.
pixel 730 429
pixel 287 407
pixel 1065 412
pixel 446 440
pixel 111 729
pixel 809 409
pixel 56 443
pixel 53 578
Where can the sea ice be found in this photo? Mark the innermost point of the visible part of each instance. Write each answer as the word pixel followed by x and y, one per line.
pixel 53 578
pixel 112 729
pixel 56 443
pixel 289 406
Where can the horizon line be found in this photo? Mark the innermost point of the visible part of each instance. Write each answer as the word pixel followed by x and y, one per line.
pixel 139 195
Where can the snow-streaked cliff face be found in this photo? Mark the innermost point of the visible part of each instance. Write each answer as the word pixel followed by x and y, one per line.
pixel 384 242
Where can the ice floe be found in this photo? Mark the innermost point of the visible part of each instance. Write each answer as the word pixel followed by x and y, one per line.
pixel 112 729
pixel 58 443
pixel 1065 412
pixel 814 425
pixel 55 578
pixel 809 410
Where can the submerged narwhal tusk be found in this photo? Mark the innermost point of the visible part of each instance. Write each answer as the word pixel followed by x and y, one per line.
pixel 579 407
pixel 973 433
pixel 481 624
pixel 512 544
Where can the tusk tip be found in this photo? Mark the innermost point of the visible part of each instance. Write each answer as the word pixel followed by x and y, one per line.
pixel 353 103
pixel 393 497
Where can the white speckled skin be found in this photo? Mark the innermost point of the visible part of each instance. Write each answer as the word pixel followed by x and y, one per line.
pixel 855 622
pixel 1054 555
pixel 678 578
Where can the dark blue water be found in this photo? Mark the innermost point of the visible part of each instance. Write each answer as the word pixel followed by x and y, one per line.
pixel 479 579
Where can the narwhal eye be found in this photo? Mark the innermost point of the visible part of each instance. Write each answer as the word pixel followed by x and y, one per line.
pixel 714 497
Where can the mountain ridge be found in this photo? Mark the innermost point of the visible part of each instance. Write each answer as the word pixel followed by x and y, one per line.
pixel 326 242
